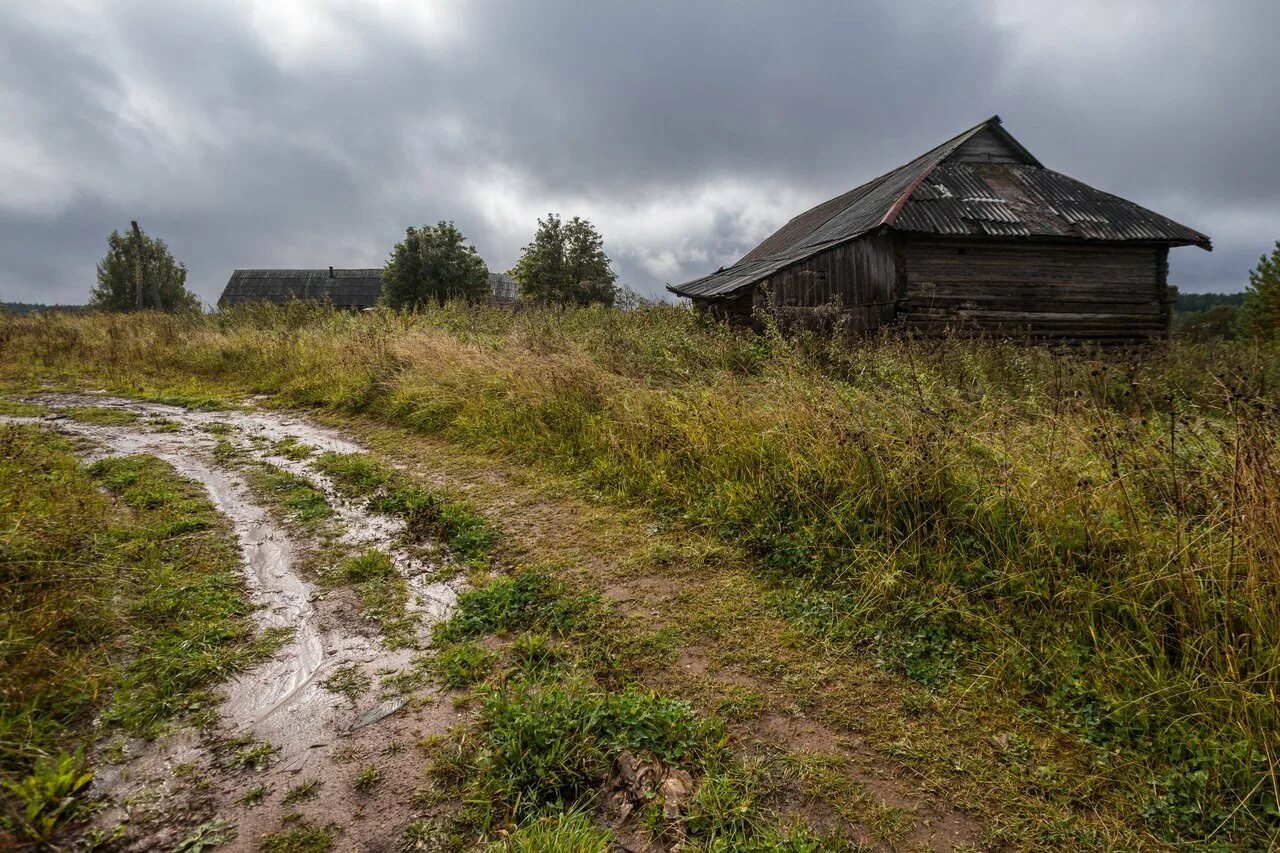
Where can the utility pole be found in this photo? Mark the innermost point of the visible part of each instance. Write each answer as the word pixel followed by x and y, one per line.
pixel 137 261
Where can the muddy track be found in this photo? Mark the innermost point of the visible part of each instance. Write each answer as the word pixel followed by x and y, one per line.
pixel 159 790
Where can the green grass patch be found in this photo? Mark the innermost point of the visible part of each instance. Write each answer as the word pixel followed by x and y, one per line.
pixel 301 839
pixel 297 496
pixel 17 409
pixel 100 415
pixel 463 664
pixel 196 400
pixel 383 593
pixel 291 448
pixel 427 513
pixel 569 832
pixel 532 599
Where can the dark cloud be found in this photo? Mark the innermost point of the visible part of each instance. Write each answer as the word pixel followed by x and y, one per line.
pixel 290 133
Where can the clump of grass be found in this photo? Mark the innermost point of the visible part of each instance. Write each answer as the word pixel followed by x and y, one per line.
pixel 545 745
pixel 301 839
pixel 531 599
pixel 292 448
pixel 427 513
pixel 196 400
pixel 302 792
pixel 368 778
pixel 101 415
pixel 463 664
pixel 254 796
pixel 383 592
pixel 18 409
pixel 253 756
pixel 349 681
pixel 568 832
pixel 299 497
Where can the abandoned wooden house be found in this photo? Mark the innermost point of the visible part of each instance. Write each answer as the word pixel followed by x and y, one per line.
pixel 975 237
pixel 343 288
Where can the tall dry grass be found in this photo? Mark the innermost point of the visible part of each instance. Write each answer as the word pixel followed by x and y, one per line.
pixel 1098 534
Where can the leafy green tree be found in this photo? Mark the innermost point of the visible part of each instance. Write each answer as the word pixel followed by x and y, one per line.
pixel 566 264
pixel 164 280
pixel 1260 314
pixel 433 264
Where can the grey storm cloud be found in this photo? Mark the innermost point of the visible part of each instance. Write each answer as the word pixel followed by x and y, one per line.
pixel 290 133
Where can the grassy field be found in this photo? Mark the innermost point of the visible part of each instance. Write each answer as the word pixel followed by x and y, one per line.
pixel 1092 538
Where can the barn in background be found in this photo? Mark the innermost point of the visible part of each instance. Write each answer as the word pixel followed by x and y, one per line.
pixel 975 237
pixel 343 288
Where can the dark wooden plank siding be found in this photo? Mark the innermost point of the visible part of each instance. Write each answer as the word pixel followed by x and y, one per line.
pixel 1035 289
pixel 860 275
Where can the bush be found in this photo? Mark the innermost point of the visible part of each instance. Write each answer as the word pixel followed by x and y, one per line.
pixel 433 264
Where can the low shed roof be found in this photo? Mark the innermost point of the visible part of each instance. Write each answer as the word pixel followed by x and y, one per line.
pixel 981 182
pixel 343 288
pixel 351 288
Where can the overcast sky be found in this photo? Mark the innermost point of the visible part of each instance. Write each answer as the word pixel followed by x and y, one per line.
pixel 282 133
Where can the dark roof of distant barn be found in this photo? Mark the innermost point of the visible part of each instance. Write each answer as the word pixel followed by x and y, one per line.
pixel 980 183
pixel 343 288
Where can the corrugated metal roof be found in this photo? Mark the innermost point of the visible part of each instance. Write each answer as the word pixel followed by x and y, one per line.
pixel 934 195
pixel 345 288
pixel 1007 199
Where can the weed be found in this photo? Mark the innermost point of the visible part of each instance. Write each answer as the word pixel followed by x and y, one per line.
pixel 50 795
pixel 301 839
pixel 349 681
pixel 207 836
pixel 291 448
pixel 368 778
pixel 302 792
pixel 256 756
pixel 463 664
pixel 254 796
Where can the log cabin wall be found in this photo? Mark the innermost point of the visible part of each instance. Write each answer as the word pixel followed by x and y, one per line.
pixel 859 277
pixel 1044 290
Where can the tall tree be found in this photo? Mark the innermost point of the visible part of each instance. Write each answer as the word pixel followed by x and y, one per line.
pixel 1260 314
pixel 433 264
pixel 164 280
pixel 566 264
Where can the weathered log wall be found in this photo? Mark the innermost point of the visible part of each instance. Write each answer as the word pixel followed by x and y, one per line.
pixel 1112 294
pixel 854 283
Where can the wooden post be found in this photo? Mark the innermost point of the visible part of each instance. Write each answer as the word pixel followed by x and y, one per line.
pixel 137 262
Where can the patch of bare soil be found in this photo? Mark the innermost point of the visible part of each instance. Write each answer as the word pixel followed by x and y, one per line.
pixel 322 733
